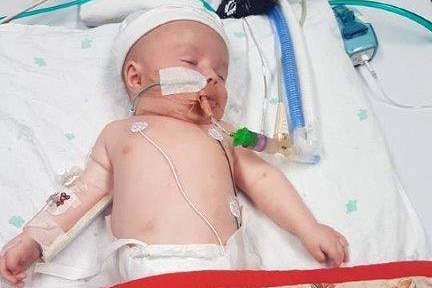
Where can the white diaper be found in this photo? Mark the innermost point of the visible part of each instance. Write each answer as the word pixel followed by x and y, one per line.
pixel 142 260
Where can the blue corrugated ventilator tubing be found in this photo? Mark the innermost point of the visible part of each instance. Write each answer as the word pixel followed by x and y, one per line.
pixel 289 69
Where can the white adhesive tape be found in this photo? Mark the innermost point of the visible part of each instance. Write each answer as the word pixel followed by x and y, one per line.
pixel 176 80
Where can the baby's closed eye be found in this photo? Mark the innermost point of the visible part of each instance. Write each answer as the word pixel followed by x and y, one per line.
pixel 190 61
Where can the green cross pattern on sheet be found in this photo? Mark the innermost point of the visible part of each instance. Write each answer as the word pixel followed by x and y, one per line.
pixel 86 43
pixel 70 136
pixel 16 221
pixel 351 206
pixel 40 62
pixel 362 114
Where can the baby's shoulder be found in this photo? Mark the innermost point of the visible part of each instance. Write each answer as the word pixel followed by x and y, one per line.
pixel 115 127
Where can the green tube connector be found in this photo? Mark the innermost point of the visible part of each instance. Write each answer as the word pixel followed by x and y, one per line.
pixel 245 138
pixel 387 7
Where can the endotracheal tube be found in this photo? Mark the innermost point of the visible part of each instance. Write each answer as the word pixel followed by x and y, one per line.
pixel 249 139
pixel 177 80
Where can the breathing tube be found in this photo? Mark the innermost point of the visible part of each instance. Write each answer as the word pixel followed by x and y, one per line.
pixel 299 94
pixel 300 108
pixel 290 74
pixel 387 7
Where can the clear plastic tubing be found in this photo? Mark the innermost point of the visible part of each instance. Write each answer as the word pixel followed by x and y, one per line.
pixel 303 118
pixel 387 7
pixel 49 9
pixel 75 3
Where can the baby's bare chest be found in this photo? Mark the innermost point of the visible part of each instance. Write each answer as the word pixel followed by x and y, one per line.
pixel 150 157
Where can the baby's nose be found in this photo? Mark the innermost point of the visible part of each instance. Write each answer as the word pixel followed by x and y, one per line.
pixel 210 74
pixel 210 88
pixel 212 81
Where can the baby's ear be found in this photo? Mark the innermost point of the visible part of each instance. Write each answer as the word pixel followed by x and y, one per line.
pixel 133 73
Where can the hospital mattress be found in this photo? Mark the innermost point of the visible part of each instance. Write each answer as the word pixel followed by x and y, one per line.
pixel 58 92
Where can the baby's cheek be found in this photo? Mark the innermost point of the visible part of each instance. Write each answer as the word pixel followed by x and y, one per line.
pixel 223 101
pixel 220 111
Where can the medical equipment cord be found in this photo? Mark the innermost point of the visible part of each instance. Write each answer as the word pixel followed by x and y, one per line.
pixel 387 99
pixel 180 187
pixel 132 109
pixel 387 7
pixel 290 73
pixel 248 31
pixel 207 6
pixel 232 176
pixel 25 13
pixel 303 12
pixel 31 6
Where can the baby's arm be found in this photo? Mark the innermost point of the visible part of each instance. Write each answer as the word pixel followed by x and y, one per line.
pixel 53 222
pixel 273 194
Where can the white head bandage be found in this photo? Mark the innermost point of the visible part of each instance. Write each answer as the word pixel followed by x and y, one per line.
pixel 140 23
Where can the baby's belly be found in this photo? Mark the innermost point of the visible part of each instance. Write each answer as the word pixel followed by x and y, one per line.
pixel 170 221
pixel 149 206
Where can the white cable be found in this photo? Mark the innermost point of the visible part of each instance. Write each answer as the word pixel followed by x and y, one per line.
pixel 173 170
pixel 304 12
pixel 387 100
pixel 248 31
pixel 216 123
pixel 30 6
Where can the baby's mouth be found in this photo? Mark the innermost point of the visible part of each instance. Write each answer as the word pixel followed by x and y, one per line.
pixel 212 103
pixel 208 105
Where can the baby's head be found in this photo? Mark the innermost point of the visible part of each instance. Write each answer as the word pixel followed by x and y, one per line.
pixel 174 36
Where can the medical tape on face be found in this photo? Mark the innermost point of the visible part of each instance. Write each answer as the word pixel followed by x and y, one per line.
pixel 176 80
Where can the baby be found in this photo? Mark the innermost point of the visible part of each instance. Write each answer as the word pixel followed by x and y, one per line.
pixel 173 184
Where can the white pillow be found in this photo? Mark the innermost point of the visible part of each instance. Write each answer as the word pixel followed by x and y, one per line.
pixel 99 12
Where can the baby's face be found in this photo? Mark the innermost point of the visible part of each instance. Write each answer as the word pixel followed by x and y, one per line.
pixel 186 44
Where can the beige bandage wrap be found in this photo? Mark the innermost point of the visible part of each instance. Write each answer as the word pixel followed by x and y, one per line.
pixel 84 196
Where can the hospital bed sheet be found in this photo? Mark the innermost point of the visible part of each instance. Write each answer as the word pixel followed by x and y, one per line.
pixel 356 171
pixel 405 131
pixel 403 64
pixel 58 93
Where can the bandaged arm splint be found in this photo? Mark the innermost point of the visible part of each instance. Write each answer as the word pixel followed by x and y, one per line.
pixel 83 197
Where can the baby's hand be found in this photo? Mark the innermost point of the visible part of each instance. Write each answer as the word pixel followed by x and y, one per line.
pixel 326 245
pixel 15 261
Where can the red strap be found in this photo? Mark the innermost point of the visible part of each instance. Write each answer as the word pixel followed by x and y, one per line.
pixel 276 278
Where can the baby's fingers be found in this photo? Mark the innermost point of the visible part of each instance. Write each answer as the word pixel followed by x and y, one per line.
pixel 342 239
pixel 21 276
pixel 343 251
pixel 15 266
pixel 318 255
pixel 344 243
pixel 334 255
pixel 4 271
pixel 19 284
